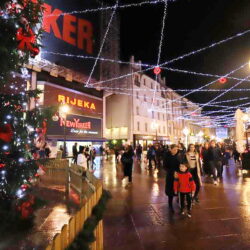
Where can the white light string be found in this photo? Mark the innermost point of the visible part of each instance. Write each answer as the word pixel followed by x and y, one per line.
pixel 178 58
pixel 160 47
pixel 103 41
pixel 226 91
pixel 210 83
pixel 110 7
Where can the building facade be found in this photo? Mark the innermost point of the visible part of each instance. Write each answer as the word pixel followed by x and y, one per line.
pixel 145 111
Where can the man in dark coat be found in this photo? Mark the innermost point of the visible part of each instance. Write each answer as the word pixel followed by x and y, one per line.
pixel 215 161
pixel 171 163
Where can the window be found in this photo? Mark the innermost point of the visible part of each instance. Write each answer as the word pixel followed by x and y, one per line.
pixel 158 103
pixel 158 116
pixel 159 130
pixel 144 81
pixel 163 118
pixel 138 126
pixel 137 82
pixel 164 129
pixel 146 127
pixel 137 110
pixel 152 85
pixel 137 95
pixel 145 98
pixel 153 114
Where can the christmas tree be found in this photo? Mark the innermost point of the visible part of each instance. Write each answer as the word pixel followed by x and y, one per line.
pixel 19 124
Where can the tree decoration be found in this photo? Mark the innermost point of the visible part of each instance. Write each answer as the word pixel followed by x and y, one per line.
pixel 223 80
pixel 157 70
pixel 18 19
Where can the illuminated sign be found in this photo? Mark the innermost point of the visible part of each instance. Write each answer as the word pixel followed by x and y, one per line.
pixel 68 32
pixel 76 127
pixel 76 102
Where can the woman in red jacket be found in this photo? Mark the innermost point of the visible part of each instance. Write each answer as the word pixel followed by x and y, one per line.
pixel 185 185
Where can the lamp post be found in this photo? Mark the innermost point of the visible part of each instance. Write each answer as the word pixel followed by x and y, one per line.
pixel 64 109
pixel 186 132
pixel 154 126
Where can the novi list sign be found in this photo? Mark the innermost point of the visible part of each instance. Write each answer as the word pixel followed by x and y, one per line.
pixel 76 127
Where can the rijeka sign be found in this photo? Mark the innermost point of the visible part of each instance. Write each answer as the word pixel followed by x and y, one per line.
pixel 75 124
pixel 76 102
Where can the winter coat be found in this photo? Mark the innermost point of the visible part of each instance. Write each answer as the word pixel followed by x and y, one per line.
pixel 184 182
pixel 214 154
pixel 171 164
pixel 198 164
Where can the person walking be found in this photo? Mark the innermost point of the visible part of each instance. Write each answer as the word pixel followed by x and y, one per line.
pixel 215 161
pixel 184 185
pixel 138 152
pixel 75 153
pixel 182 151
pixel 127 162
pixel 205 159
pixel 193 160
pixel 81 158
pixel 171 163
pixel 151 156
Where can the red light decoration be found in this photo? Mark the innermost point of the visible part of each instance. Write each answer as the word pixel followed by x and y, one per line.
pixel 223 80
pixel 157 70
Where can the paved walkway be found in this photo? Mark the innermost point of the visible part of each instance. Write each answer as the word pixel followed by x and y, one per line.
pixel 138 217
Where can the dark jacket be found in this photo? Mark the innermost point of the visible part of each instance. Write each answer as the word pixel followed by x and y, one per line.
pixel 214 154
pixel 171 164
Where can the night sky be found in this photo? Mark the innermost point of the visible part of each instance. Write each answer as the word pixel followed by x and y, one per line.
pixel 190 25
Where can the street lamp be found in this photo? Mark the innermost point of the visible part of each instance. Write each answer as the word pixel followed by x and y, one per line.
pixel 63 111
pixel 186 132
pixel 154 126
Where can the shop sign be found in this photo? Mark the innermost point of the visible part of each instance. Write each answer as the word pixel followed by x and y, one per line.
pixel 76 126
pixel 71 32
pixel 79 102
pixel 75 102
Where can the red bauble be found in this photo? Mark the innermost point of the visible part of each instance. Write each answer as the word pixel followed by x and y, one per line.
pixel 157 70
pixel 2 165
pixel 223 80
pixel 26 209
pixel 6 133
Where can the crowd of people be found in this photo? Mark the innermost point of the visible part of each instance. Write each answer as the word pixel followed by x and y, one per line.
pixel 184 167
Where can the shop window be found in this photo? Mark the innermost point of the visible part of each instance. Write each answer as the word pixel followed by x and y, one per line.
pixel 137 82
pixel 137 110
pixel 146 127
pixel 138 126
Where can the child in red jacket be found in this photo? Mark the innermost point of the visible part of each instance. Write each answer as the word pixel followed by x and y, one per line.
pixel 185 185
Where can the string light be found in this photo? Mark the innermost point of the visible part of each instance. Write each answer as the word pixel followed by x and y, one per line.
pixel 160 47
pixel 226 91
pixel 111 7
pixel 103 41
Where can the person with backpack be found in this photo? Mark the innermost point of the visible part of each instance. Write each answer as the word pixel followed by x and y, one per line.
pixel 127 162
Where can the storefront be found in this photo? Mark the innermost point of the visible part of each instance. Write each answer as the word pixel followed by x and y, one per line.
pixel 81 125
pixel 146 140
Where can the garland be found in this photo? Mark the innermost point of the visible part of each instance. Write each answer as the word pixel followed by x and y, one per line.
pixel 86 236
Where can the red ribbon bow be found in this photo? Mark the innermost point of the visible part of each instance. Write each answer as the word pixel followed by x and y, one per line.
pixel 27 40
